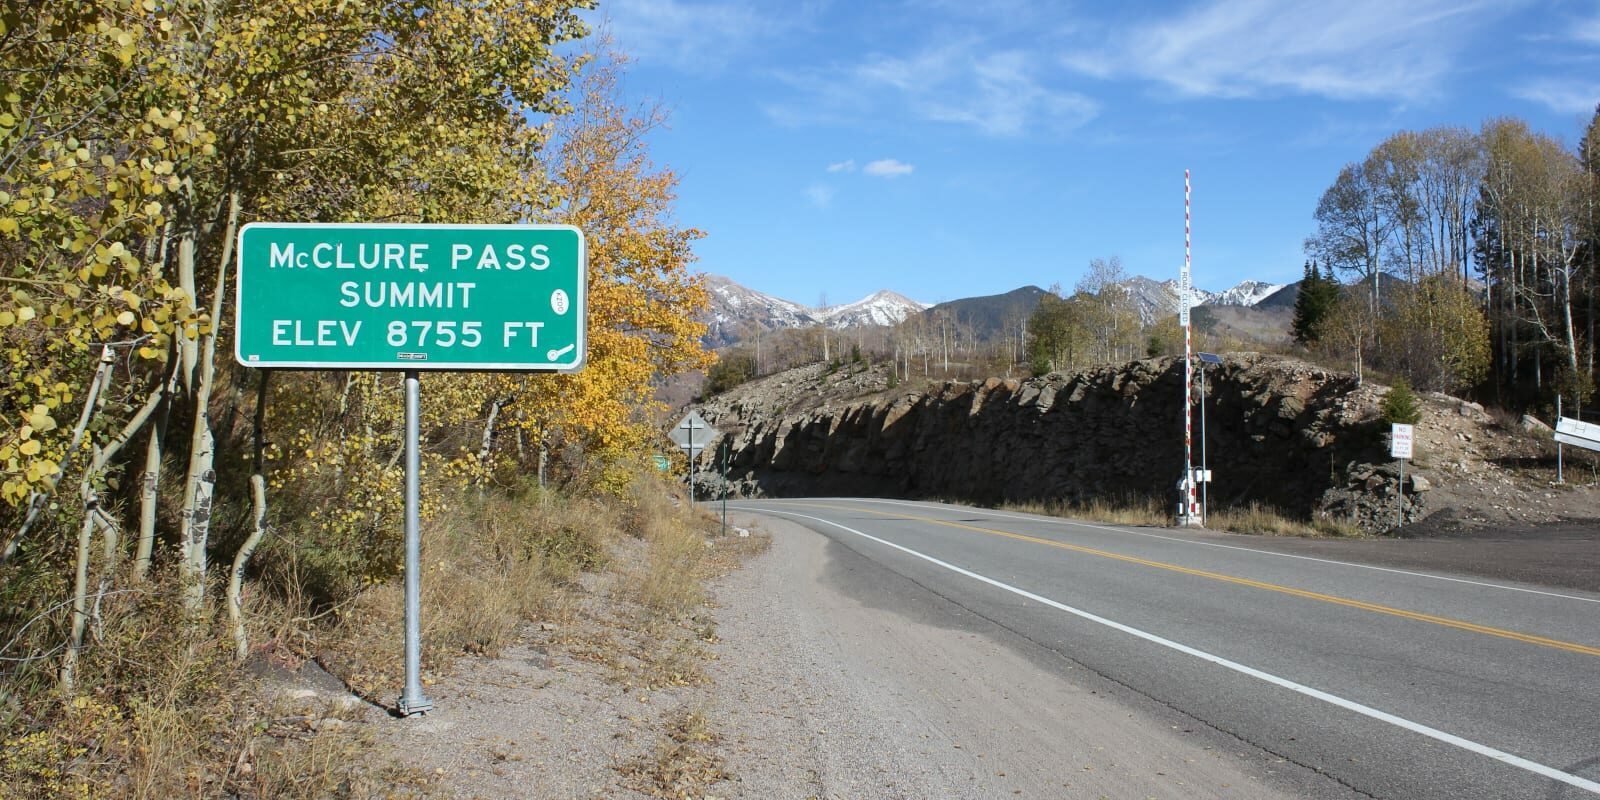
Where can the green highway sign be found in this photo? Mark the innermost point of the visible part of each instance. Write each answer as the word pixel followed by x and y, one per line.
pixel 434 297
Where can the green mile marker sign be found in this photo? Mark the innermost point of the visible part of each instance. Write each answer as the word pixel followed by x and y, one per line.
pixel 425 297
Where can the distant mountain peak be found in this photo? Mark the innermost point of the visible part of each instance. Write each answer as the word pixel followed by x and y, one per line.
pixel 738 311
pixel 883 307
pixel 1246 293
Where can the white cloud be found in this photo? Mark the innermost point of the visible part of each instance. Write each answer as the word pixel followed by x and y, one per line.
pixel 1349 49
pixel 848 165
pixel 820 195
pixel 691 35
pixel 966 82
pixel 888 168
pixel 1587 30
pixel 1563 95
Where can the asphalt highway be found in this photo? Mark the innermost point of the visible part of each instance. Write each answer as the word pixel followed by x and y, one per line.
pixel 1393 683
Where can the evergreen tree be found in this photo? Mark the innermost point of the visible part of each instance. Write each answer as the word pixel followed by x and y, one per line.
pixel 1400 404
pixel 1315 301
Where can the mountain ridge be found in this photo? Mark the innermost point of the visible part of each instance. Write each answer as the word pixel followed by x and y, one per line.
pixel 738 312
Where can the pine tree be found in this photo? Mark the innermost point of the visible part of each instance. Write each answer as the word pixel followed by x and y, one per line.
pixel 1313 304
pixel 1400 404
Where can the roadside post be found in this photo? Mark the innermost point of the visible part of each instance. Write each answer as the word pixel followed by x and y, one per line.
pixel 1400 446
pixel 692 434
pixel 1188 509
pixel 726 445
pixel 1561 455
pixel 408 298
pixel 1205 468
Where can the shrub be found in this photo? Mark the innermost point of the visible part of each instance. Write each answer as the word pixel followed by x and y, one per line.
pixel 1400 405
pixel 733 369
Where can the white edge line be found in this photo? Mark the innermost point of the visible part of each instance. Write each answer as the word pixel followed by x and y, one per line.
pixel 1057 521
pixel 1349 705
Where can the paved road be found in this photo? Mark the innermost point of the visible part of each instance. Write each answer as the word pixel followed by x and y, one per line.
pixel 1392 683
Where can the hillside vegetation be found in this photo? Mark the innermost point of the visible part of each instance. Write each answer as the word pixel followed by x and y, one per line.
pixel 168 514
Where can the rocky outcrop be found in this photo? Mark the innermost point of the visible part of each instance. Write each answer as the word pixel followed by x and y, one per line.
pixel 1278 431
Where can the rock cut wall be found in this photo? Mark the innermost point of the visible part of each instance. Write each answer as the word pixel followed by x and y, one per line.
pixel 1279 432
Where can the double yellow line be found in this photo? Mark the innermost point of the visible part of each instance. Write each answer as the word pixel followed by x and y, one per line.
pixel 1375 608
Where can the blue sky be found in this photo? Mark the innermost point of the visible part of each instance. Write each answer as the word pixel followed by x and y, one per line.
pixel 951 148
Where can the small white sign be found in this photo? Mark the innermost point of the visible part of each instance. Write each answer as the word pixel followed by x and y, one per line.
pixel 1579 433
pixel 1185 297
pixel 693 433
pixel 1400 441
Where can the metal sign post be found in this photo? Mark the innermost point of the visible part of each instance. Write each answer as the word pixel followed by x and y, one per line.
pixel 1188 514
pixel 413 701
pixel 1205 467
pixel 726 445
pixel 1401 439
pixel 692 434
pixel 331 296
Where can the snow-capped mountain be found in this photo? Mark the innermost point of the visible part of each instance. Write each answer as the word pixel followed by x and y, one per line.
pixel 1247 293
pixel 879 308
pixel 1154 298
pixel 738 311
pixel 1161 297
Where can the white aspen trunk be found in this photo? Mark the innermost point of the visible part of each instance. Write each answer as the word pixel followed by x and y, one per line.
pixel 94 518
pixel 1570 328
pixel 544 457
pixel 188 349
pixel 80 596
pixel 149 489
pixel 518 427
pixel 241 559
pixel 149 494
pixel 200 481
pixel 91 520
pixel 258 493
pixel 488 427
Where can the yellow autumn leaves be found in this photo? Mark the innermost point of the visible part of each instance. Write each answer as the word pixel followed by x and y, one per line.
pixel 133 125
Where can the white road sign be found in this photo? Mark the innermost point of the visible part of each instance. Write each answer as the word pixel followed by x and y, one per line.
pixel 1577 433
pixel 1400 441
pixel 693 433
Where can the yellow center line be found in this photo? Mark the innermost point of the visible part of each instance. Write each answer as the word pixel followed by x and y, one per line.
pixel 1217 576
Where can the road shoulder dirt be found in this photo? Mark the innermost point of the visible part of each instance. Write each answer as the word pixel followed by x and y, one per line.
pixel 820 695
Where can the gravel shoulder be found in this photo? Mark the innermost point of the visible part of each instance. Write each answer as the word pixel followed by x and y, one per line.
pixel 826 678
pixel 833 683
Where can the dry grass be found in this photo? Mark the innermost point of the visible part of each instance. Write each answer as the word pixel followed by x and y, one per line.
pixel 1128 510
pixel 680 766
pixel 1253 518
pixel 1260 519
pixel 489 565
pixel 497 562
pixel 165 713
